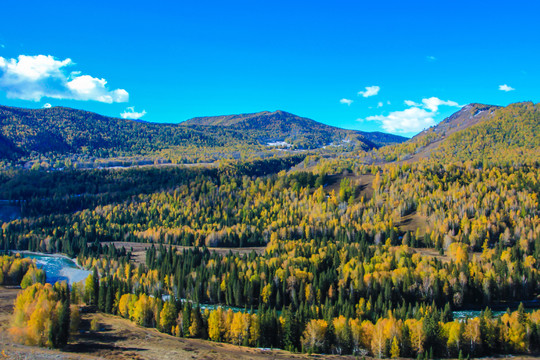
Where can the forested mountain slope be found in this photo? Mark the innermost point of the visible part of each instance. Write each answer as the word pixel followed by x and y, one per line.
pixel 468 116
pixel 62 130
pixel 283 125
pixel 511 133
pixel 478 133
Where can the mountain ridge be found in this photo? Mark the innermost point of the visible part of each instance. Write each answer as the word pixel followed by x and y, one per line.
pixel 285 121
pixel 469 115
pixel 458 137
pixel 63 130
pixel 510 134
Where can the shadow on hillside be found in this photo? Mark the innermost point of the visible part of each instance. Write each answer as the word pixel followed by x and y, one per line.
pixel 105 339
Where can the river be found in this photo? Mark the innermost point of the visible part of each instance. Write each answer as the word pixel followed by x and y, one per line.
pixel 58 267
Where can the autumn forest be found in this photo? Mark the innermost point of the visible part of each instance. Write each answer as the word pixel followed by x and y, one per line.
pixel 373 248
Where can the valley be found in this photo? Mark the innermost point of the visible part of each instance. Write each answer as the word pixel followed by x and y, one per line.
pixel 424 248
pixel 269 180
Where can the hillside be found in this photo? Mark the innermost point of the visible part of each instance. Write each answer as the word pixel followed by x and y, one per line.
pixel 224 120
pixel 476 132
pixel 468 116
pixel 59 130
pixel 64 130
pixel 508 134
pixel 284 126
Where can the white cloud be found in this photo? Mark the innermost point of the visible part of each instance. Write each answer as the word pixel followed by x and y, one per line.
pixel 409 120
pixel 506 88
pixel 431 58
pixel 47 106
pixel 130 113
pixel 433 103
pixel 36 77
pixel 370 91
pixel 411 103
pixel 414 119
pixel 380 104
pixel 2 46
pixel 86 87
pixel 346 101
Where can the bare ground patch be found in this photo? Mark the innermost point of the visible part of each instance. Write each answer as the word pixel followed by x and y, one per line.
pixel 121 339
pixel 139 249
pixel 430 252
pixel 412 222
pixel 365 189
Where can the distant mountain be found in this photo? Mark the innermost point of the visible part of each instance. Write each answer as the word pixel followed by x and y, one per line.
pixel 59 130
pixel 477 132
pixel 508 134
pixel 468 116
pixel 227 120
pixel 62 130
pixel 285 126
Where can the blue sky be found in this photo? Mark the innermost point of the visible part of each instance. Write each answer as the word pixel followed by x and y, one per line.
pixel 352 64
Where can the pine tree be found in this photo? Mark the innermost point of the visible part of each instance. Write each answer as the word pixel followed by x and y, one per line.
pixel 65 315
pixel 521 313
pixel 95 278
pixel 290 330
pixel 109 299
pixel 64 322
pixel 196 328
pixel 186 319
pixel 102 296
